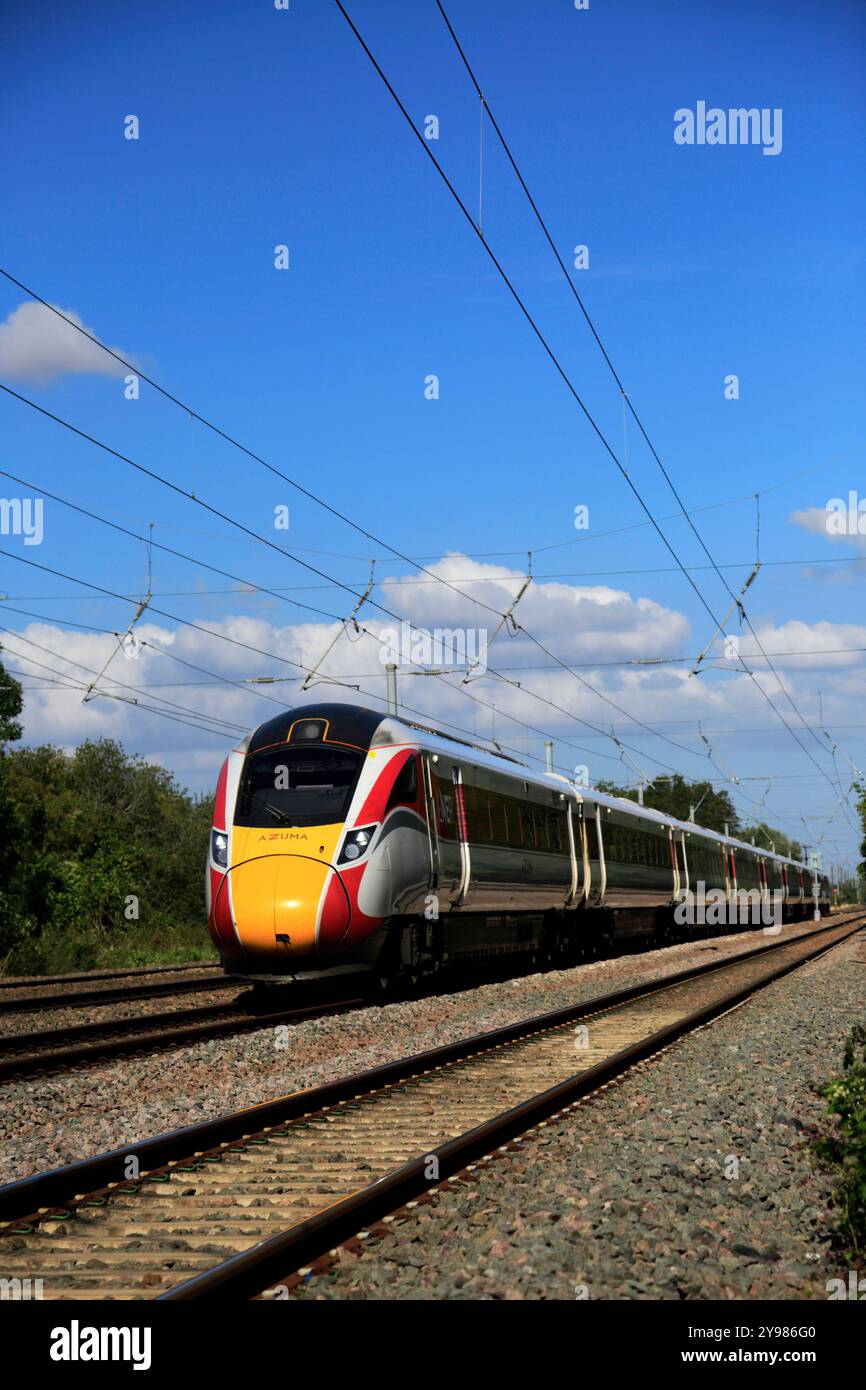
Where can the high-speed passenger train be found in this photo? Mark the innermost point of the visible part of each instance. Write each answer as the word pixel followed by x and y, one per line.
pixel 347 840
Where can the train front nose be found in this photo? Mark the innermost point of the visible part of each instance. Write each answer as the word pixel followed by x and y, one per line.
pixel 291 904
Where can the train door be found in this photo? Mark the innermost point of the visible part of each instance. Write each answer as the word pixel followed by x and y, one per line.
pixel 432 830
pixel 682 863
pixel 728 884
pixel 576 853
pixel 462 837
pixel 595 888
pixel 444 834
pixel 582 850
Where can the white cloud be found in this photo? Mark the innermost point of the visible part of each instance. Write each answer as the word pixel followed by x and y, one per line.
pixel 585 625
pixel 36 345
pixel 584 622
pixel 812 519
pixel 820 646
pixel 816 520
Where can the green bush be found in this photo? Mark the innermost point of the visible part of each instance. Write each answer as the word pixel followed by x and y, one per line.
pixel 101 861
pixel 845 1146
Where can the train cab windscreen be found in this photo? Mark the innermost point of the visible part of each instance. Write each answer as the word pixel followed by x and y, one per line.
pixel 297 786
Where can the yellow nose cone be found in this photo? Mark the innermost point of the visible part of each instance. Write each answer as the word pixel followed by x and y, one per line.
pixel 290 903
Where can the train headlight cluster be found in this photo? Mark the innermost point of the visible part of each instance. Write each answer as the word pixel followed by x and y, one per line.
pixel 357 843
pixel 219 848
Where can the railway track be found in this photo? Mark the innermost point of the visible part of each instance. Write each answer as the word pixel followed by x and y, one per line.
pixel 55 1049
pixel 33 981
pixel 77 998
pixel 228 1207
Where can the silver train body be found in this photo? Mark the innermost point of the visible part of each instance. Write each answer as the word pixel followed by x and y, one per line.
pixel 420 851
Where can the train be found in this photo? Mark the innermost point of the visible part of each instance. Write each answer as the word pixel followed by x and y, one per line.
pixel 346 841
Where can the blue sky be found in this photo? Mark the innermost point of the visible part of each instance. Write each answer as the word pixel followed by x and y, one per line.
pixel 260 127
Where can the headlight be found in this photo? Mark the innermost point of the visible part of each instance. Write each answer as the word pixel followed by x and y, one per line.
pixel 219 847
pixel 357 842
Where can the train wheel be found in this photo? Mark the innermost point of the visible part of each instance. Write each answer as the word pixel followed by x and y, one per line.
pixel 668 932
pixel 596 940
pixel 551 947
pixel 265 998
pixel 380 986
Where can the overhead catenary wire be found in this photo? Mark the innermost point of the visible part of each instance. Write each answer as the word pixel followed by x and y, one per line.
pixel 409 709
pixel 328 506
pixel 402 582
pixel 803 653
pixel 437 578
pixel 287 661
pixel 124 685
pixel 235 443
pixel 351 685
pixel 626 398
pixel 246 684
pixel 393 550
pixel 567 380
pixel 174 487
pixel 219 681
pixel 493 673
pixel 180 491
pixel 216 511
pixel 150 709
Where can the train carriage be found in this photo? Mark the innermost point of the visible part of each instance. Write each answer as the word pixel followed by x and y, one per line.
pixel 346 840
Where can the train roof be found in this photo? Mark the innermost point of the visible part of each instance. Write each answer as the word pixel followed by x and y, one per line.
pixel 434 741
pixel 690 827
pixel 366 728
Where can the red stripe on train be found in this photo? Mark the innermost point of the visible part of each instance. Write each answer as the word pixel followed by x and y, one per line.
pixel 373 808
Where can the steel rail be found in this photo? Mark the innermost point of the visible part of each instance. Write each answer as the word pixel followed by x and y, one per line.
pixel 61 1190
pixel 274 1260
pixel 78 998
pixel 34 981
pixel 92 1042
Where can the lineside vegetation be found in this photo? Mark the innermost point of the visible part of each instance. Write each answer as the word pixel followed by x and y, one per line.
pixel 101 856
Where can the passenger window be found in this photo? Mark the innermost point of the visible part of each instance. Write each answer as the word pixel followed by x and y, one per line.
pixel 591 838
pixel 405 789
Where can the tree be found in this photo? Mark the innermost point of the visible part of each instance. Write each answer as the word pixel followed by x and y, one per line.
pixel 11 704
pixel 111 859
pixel 767 837
pixel 674 796
pixel 101 853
